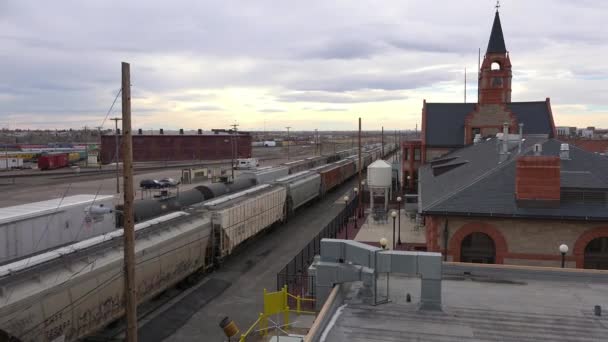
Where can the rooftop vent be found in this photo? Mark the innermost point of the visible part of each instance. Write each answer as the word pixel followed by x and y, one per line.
pixel 139 131
pixel 161 132
pixel 538 149
pixel 200 131
pixel 477 139
pixel 564 152
pixel 181 131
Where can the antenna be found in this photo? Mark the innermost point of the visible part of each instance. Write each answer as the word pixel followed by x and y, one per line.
pixel 465 84
pixel 497 5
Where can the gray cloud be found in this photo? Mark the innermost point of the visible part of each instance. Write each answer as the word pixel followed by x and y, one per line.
pixel 314 51
pixel 205 108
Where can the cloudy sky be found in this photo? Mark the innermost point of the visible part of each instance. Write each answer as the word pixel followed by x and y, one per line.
pixel 306 64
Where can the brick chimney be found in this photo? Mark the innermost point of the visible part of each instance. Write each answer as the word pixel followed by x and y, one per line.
pixel 537 181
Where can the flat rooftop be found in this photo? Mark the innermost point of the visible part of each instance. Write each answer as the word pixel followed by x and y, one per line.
pixel 490 304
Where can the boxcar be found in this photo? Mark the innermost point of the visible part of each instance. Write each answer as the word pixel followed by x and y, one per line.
pixel 53 161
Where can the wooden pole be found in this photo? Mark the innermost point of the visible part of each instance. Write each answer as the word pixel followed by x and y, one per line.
pixel 129 225
pixel 360 169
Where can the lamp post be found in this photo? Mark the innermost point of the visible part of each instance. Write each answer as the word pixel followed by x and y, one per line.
pixel 394 216
pixel 356 191
pixel 399 220
pixel 563 249
pixel 346 216
pixel 362 190
pixel 383 243
pixel 407 183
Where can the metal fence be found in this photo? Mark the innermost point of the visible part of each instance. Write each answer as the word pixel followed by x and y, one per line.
pixel 294 274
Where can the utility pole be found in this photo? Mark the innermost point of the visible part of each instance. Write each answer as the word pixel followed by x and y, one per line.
pixel 360 167
pixel 233 145
pixel 316 142
pixel 382 141
pixel 86 147
pixel 129 225
pixel 116 153
pixel 288 127
pixel 98 146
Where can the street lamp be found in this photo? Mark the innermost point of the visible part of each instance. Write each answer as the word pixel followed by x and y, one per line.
pixel 407 183
pixel 563 249
pixel 399 215
pixel 383 243
pixel 362 190
pixel 394 216
pixel 356 190
pixel 346 215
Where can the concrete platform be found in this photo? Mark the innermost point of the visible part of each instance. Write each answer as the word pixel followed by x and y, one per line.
pixel 372 231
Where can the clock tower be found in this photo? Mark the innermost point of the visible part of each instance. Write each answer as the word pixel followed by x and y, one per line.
pixel 495 73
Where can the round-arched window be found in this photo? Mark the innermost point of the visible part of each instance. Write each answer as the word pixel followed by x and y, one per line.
pixel 495 66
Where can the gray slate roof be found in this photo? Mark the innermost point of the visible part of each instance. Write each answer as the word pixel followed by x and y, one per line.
pixel 485 186
pixel 497 40
pixel 445 121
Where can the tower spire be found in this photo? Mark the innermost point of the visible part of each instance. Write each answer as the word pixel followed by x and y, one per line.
pixel 497 40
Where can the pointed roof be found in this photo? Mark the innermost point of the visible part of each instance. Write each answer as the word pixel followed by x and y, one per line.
pixel 497 40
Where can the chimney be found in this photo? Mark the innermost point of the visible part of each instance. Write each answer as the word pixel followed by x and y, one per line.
pixel 505 138
pixel 521 136
pixel 564 152
pixel 181 131
pixel 537 181
pixel 161 132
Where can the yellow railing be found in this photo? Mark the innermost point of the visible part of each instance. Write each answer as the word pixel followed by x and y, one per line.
pixel 276 303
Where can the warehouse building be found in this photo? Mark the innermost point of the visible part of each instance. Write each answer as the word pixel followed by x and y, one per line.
pixel 179 145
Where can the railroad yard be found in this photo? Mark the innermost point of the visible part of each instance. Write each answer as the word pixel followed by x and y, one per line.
pixel 244 232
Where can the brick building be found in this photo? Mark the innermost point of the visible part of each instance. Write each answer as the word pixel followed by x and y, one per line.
pixel 516 201
pixel 448 126
pixel 180 146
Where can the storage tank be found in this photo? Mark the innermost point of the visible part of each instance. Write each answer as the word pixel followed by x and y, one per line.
pixel 379 174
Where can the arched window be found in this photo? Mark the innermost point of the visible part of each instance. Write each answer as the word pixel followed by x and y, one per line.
pixel 478 248
pixel 596 254
pixel 495 66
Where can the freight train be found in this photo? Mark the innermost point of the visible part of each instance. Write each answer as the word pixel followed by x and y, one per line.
pixel 73 291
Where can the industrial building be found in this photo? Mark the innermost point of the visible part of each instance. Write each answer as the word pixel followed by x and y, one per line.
pixel 179 145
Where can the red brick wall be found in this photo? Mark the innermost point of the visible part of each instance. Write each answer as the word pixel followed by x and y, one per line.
pixel 538 178
pixel 178 147
pixel 599 146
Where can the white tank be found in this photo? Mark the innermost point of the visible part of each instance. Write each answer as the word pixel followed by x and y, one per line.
pixel 379 174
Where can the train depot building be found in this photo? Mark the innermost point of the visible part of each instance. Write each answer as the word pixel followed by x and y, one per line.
pixel 163 146
pixel 495 186
pixel 449 126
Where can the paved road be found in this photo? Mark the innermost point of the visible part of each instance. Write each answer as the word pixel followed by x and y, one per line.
pixel 246 274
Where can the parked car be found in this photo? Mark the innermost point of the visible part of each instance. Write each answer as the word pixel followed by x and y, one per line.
pixel 150 184
pixel 168 183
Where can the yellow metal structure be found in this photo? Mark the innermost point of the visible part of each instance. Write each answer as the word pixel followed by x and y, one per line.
pixel 275 303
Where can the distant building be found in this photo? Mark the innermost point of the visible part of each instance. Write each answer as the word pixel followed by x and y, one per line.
pixel 515 202
pixel 566 131
pixel 448 126
pixel 179 146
